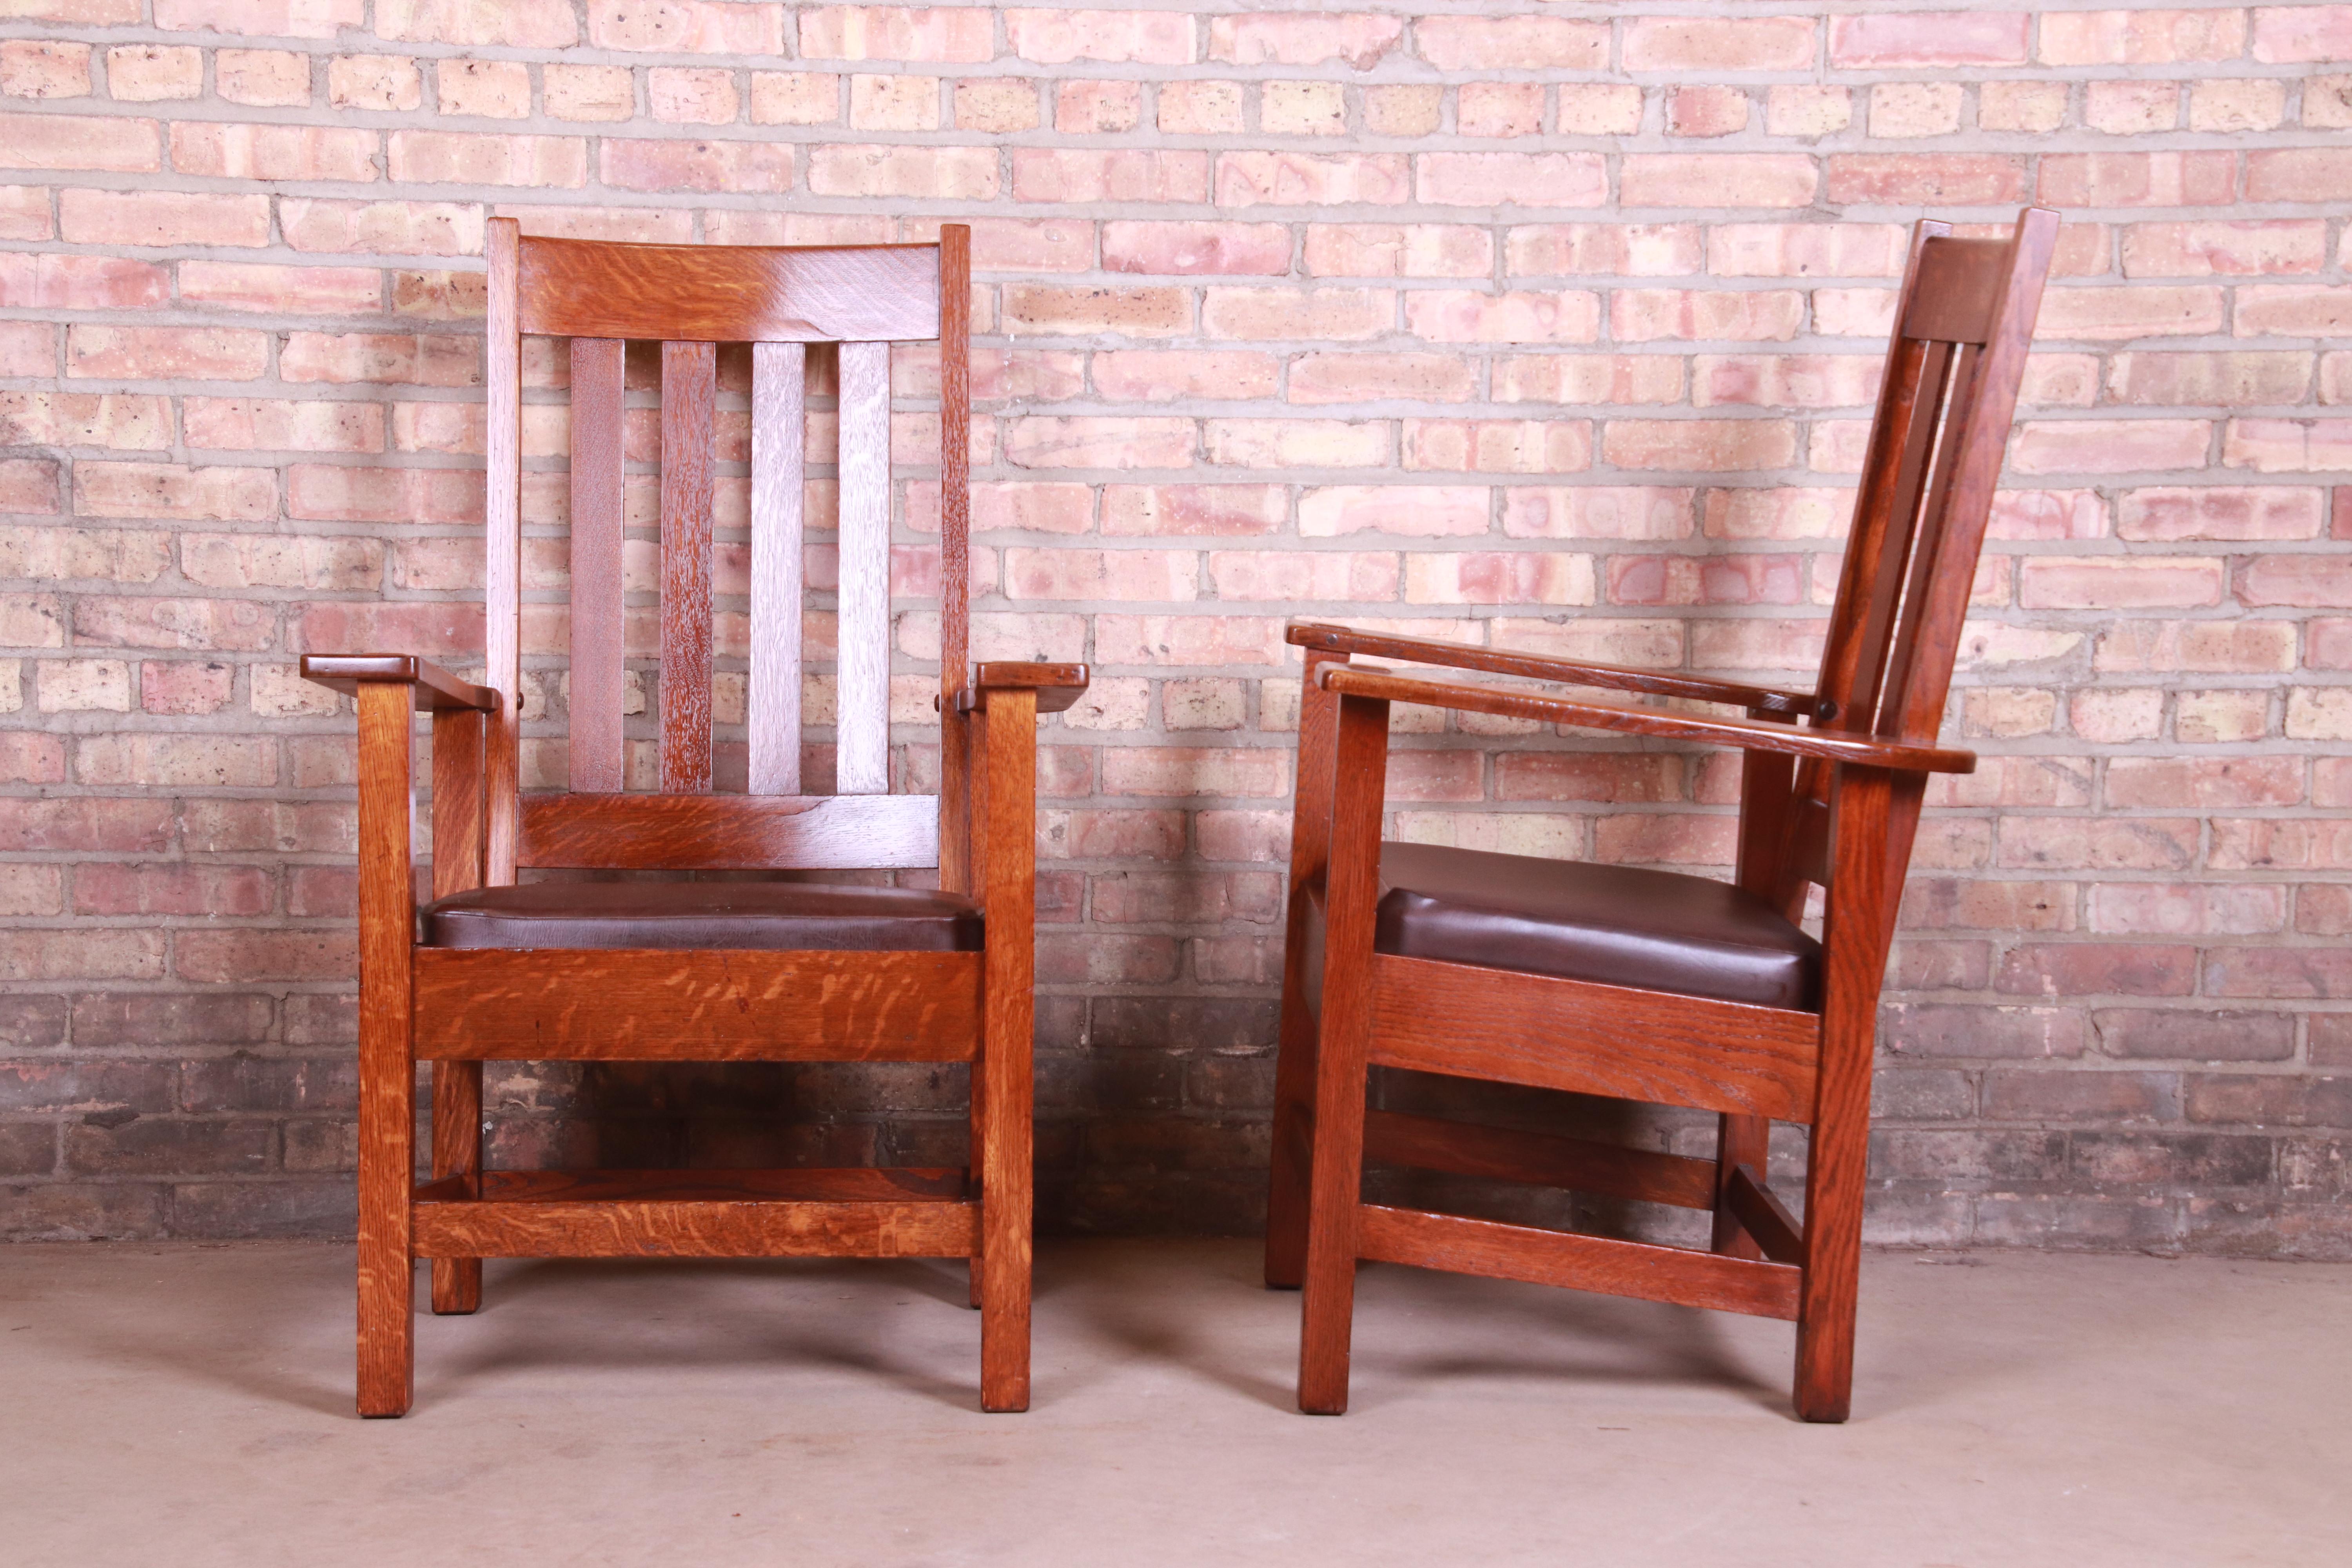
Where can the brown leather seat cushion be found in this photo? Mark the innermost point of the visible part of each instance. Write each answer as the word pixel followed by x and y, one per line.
pixel 1615 924
pixel 804 917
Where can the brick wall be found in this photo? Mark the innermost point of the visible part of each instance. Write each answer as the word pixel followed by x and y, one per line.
pixel 1549 323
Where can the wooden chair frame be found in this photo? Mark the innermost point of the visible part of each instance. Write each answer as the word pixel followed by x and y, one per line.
pixel 1833 802
pixel 458 1008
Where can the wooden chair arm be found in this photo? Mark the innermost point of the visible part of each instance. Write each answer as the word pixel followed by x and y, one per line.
pixel 1748 734
pixel 437 688
pixel 1540 667
pixel 1057 685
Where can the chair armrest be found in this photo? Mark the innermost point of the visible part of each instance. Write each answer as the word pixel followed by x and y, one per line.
pixel 1748 734
pixel 1540 667
pixel 1057 685
pixel 437 688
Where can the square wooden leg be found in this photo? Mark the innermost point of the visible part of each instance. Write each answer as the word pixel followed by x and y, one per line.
pixel 457 1151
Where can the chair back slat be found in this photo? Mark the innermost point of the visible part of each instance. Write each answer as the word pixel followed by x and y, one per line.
pixel 691 300
pixel 861 671
pixel 689 395
pixel 1963 321
pixel 779 419
pixel 715 293
pixel 597 602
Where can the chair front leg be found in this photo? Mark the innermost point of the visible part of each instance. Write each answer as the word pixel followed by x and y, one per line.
pixel 1005 1077
pixel 387 1125
pixel 1336 1188
pixel 458 841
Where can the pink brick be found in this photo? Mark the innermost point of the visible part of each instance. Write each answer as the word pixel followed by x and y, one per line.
pixel 1463 316
pixel 162 217
pixel 1930 179
pixel 273 152
pixel 2169 782
pixel 1376 377
pixel 2133 312
pixel 1144 38
pixel 1587 379
pixel 1798 381
pixel 685 26
pixel 273 18
pixel 2288 445
pixel 1295 576
pixel 335 494
pixel 1298 443
pixel 1701 46
pixel 1354 38
pixel 1498 446
pixel 1807 249
pixel 1123 575
pixel 1105 175
pixel 1178 248
pixel 267 424
pixel 929 173
pixel 1105 108
pixel 148 353
pixel 1582 249
pixel 2141 38
pixel 79 141
pixel 2313 581
pixel 1512 43
pixel 1701 111
pixel 430 156
pixel 700 165
pixel 1499 109
pixel 2299 174
pixel 31 68
pixel 398 228
pixel 1523 179
pixel 1412 511
pixel 1958 38
pixel 396 357
pixel 2047 514
pixel 1099 443
pixel 1036 310
pixel 1310 179
pixel 174 491
pixel 1154 376
pixel 2162 512
pixel 1399 250
pixel 1033 245
pixel 1699 445
pixel 1322 315
pixel 2288 34
pixel 1189 639
pixel 943 33
pixel 2138 583
pixel 2221 248
pixel 1596 511
pixel 2109 446
pixel 283 290
pixel 2293 311
pixel 1497 577
pixel 52 281
pixel 1646 315
pixel 2138 179
pixel 1193 511
pixel 1717 180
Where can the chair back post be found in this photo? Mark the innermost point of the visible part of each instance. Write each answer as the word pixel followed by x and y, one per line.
pixel 956 740
pixel 503 576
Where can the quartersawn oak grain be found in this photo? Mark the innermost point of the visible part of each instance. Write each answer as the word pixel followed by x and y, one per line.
pixel 729 831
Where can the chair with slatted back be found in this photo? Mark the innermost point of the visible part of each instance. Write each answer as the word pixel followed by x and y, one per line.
pixel 1640 984
pixel 678 969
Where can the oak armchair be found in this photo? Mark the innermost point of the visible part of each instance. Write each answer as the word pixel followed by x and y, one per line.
pixel 677 968
pixel 1642 985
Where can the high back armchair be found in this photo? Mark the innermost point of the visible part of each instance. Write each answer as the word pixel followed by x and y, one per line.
pixel 1642 984
pixel 673 968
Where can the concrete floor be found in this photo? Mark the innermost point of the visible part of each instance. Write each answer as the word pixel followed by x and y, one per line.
pixel 192 1405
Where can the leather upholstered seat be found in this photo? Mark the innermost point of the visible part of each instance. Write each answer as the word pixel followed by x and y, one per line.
pixel 1618 925
pixel 803 917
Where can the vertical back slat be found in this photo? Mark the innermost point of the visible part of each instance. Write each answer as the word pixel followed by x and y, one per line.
pixel 502 518
pixel 1930 555
pixel 779 433
pixel 1923 424
pixel 689 388
pixel 861 671
pixel 596 596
